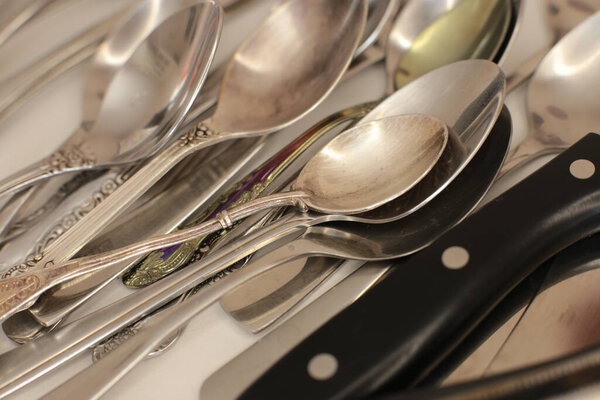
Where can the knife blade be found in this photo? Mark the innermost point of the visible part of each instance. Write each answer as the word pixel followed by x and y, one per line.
pixel 427 303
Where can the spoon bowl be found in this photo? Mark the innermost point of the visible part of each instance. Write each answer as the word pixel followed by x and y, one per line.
pixel 562 106
pixel 266 86
pixel 141 82
pixel 430 33
pixel 345 178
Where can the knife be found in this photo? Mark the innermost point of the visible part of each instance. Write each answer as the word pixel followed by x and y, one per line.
pixel 427 303
pixel 559 320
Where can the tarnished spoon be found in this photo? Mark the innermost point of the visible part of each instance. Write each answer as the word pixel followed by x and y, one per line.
pixel 430 33
pixel 143 56
pixel 359 170
pixel 561 101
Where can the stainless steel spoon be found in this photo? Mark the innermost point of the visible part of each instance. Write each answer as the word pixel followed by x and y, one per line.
pixel 561 102
pixel 144 52
pixel 343 178
pixel 350 241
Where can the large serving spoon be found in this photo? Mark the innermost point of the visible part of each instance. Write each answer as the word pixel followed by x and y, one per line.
pixel 147 56
pixel 358 241
pixel 253 101
pixel 561 105
pixel 359 170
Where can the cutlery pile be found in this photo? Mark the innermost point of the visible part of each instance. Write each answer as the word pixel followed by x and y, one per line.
pixel 173 193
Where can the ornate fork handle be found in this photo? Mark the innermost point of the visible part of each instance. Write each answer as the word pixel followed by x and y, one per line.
pixel 19 292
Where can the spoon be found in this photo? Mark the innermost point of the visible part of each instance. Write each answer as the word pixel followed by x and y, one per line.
pixel 326 45
pixel 350 241
pixel 150 56
pixel 343 178
pixel 562 107
pixel 429 34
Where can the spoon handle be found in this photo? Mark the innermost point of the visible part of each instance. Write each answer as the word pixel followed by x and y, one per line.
pixel 94 381
pixel 32 359
pixel 67 159
pixel 18 292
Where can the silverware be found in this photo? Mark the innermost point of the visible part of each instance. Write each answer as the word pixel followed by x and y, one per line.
pixel 359 241
pixel 40 307
pixel 466 272
pixel 407 146
pixel 559 101
pixel 190 191
pixel 430 34
pixel 150 34
pixel 192 188
pixel 338 50
pixel 75 338
pixel 469 187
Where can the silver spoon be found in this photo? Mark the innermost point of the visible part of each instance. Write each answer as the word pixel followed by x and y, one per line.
pixel 151 51
pixel 562 105
pixel 343 178
pixel 350 241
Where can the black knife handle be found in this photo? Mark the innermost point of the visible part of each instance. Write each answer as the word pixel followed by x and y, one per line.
pixel 405 325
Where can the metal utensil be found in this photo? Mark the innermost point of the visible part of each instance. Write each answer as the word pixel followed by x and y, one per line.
pixel 341 179
pixel 379 16
pixel 335 46
pixel 267 179
pixel 150 57
pixel 560 104
pixel 426 96
pixel 429 34
pixel 469 188
pixel 463 284
pixel 45 304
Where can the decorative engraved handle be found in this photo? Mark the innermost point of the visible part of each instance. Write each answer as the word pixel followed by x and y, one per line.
pixel 16 293
pixel 257 183
pixel 69 158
